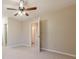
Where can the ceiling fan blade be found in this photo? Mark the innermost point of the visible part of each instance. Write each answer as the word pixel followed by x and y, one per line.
pixel 31 8
pixel 16 14
pixel 11 9
pixel 26 14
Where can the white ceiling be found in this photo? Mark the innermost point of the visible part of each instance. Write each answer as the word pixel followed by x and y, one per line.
pixel 43 7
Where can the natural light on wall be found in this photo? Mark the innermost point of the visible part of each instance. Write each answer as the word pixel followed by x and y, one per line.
pixel 0 29
pixel 4 22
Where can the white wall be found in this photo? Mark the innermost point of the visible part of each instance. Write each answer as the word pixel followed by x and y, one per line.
pixel 14 32
pixel 26 30
pixel 18 32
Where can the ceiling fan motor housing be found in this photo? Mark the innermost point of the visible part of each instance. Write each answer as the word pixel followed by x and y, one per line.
pixel 21 9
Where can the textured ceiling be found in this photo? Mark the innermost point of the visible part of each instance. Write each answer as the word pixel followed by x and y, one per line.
pixel 43 6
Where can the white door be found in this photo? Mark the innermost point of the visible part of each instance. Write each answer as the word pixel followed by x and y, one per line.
pixel 35 35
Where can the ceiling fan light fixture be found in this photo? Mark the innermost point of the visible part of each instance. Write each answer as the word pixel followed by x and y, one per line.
pixel 22 10
pixel 21 13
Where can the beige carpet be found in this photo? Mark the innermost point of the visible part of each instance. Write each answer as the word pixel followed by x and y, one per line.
pixel 28 53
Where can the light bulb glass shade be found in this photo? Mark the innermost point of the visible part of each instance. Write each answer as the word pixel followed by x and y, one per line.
pixel 23 12
pixel 20 13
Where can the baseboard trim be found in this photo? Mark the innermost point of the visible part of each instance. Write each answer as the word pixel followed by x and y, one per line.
pixel 59 52
pixel 17 45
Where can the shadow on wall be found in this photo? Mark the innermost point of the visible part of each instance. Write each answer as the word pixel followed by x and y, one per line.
pixel 43 33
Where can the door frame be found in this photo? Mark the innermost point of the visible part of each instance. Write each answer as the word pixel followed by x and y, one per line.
pixel 38 21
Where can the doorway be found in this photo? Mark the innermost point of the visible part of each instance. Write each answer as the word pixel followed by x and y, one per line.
pixel 35 34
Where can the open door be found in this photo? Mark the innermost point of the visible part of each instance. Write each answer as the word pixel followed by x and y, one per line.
pixel 35 35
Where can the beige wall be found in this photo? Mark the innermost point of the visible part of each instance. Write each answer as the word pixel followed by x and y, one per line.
pixel 14 32
pixel 58 30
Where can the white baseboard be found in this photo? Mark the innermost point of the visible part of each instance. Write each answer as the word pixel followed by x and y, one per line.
pixel 17 45
pixel 59 52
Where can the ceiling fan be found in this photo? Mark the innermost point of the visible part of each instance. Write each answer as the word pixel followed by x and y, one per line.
pixel 22 10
